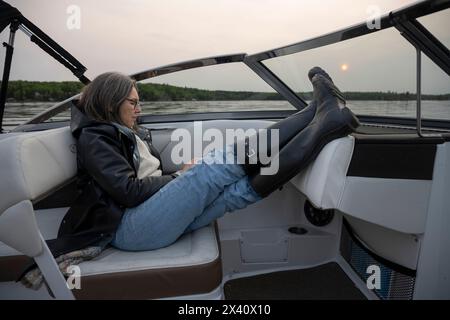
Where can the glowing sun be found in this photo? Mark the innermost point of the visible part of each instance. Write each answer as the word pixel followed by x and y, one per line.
pixel 344 67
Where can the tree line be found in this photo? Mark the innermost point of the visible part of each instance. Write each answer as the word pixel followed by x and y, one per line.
pixel 57 91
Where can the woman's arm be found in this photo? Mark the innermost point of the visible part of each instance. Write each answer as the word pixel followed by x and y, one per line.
pixel 102 157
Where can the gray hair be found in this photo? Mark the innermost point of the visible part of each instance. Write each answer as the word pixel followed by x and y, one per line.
pixel 101 99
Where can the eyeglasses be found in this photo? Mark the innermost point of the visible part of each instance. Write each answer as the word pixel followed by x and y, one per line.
pixel 135 103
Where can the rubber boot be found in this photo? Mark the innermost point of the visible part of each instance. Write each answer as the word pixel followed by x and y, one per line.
pixel 287 129
pixel 332 120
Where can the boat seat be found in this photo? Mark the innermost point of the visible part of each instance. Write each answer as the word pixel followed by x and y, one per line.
pixel 36 164
pixel 323 181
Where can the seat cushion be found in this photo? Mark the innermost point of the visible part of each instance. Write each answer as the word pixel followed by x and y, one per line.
pixel 323 181
pixel 34 164
pixel 191 265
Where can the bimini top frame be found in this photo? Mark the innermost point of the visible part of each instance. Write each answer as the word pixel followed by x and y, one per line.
pixel 12 17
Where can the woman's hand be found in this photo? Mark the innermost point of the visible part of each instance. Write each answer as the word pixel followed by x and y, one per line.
pixel 187 166
pixel 190 164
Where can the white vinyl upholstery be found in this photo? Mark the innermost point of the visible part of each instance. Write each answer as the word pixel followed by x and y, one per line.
pixel 323 181
pixel 398 204
pixel 34 163
pixel 192 249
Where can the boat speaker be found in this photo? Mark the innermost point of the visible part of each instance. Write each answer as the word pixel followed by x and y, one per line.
pixel 316 216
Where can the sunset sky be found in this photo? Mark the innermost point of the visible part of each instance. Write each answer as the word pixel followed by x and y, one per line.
pixel 135 35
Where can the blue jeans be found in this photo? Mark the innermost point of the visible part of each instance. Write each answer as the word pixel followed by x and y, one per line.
pixel 193 200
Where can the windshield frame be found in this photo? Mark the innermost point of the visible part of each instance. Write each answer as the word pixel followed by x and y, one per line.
pixel 403 19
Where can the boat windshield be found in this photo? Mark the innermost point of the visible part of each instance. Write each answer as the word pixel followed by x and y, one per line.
pixel 230 87
pixel 376 72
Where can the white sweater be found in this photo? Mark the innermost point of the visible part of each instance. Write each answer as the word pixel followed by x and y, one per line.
pixel 149 164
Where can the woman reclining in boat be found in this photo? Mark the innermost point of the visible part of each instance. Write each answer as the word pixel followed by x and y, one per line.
pixel 127 202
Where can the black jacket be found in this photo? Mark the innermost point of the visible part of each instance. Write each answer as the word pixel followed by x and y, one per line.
pixel 108 161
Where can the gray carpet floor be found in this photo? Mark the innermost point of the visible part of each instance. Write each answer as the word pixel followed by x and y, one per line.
pixel 325 282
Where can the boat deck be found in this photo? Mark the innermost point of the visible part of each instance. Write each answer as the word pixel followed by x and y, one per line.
pixel 325 282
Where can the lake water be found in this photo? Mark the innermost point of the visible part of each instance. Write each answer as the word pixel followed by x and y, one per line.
pixel 16 113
